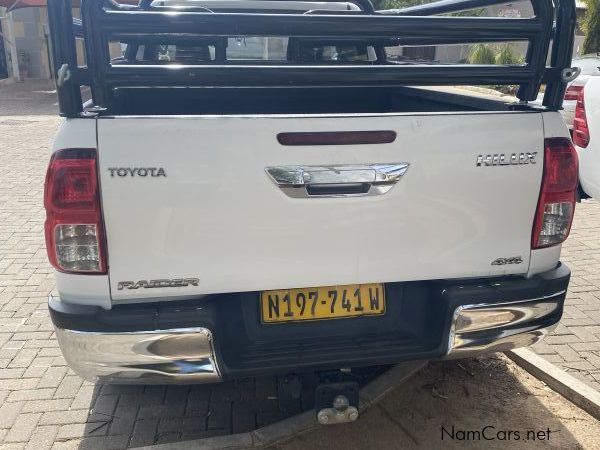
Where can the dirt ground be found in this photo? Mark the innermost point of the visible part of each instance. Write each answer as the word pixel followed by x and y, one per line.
pixel 488 403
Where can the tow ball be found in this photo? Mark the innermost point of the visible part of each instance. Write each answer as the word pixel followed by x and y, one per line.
pixel 336 403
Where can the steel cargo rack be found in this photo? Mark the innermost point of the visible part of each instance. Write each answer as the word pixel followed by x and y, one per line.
pixel 105 21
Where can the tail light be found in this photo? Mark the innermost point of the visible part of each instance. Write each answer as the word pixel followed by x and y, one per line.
pixel 573 91
pixel 74 228
pixel 556 204
pixel 581 132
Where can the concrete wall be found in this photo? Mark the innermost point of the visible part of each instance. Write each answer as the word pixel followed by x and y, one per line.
pixel 6 31
pixel 5 71
pixel 30 29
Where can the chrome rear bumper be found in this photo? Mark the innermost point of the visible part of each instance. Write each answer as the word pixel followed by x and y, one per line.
pixel 498 327
pixel 187 355
pixel 221 337
pixel 148 357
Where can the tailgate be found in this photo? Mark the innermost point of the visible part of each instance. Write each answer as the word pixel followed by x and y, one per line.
pixel 219 217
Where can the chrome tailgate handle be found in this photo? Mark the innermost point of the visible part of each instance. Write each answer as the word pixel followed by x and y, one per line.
pixel 337 181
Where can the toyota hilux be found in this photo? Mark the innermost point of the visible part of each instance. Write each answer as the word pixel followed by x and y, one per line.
pixel 260 187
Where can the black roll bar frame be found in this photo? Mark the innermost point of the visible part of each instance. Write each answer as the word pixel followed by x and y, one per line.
pixel 107 20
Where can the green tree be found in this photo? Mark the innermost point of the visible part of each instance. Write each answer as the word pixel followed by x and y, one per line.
pixel 482 54
pixel 591 27
pixel 507 56
pixel 493 54
pixel 397 4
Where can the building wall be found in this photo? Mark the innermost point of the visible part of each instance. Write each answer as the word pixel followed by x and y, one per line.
pixel 30 33
pixel 4 55
pixel 6 44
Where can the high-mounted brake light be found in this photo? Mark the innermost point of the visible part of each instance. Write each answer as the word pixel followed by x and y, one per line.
pixel 556 204
pixel 74 228
pixel 337 137
pixel 581 131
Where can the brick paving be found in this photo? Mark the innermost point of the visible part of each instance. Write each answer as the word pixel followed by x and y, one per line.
pixel 43 404
pixel 575 343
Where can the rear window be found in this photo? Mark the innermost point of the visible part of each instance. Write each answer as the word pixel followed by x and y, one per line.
pixel 257 48
pixel 314 53
pixel 182 54
pixel 240 49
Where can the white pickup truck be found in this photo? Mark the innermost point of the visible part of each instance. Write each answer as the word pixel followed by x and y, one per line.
pixel 309 205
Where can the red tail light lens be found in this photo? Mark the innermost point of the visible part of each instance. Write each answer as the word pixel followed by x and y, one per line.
pixel 573 91
pixel 556 204
pixel 74 228
pixel 581 132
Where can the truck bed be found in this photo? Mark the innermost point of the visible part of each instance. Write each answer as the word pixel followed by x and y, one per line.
pixel 206 101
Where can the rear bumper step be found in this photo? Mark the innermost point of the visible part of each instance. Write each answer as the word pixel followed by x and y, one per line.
pixel 161 356
pixel 221 336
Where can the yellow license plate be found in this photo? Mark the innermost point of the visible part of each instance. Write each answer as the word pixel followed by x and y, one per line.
pixel 329 302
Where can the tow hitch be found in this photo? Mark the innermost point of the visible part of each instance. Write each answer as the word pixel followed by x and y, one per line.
pixel 333 394
pixel 336 402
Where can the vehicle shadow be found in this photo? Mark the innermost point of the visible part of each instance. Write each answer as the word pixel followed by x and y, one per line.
pixel 485 403
pixel 123 416
pixel 446 405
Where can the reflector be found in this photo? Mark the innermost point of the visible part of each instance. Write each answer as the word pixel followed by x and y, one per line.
pixel 581 132
pixel 573 91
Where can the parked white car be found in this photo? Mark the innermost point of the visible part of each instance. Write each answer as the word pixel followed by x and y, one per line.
pixel 590 66
pixel 580 109
pixel 586 135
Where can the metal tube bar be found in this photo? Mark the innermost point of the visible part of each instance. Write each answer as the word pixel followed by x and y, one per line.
pixel 537 52
pixel 96 47
pixel 562 51
pixel 443 7
pixel 64 53
pixel 365 5
pixel 312 76
pixel 358 26
pixel 403 40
